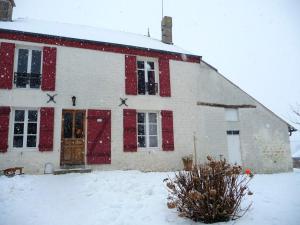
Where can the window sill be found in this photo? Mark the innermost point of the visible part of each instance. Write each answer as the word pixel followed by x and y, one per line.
pixel 27 88
pixel 21 150
pixel 149 149
pixel 146 95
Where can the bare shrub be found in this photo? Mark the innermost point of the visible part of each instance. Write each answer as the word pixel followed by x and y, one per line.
pixel 211 192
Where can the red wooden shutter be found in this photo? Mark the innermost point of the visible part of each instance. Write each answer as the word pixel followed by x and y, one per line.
pixel 167 130
pixel 46 129
pixel 7 52
pixel 4 124
pixel 99 137
pixel 164 78
pixel 129 130
pixel 49 69
pixel 130 75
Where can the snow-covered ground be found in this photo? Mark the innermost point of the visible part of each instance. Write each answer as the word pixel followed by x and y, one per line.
pixel 130 197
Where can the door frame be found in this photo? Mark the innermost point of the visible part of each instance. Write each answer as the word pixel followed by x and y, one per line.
pixel 85 135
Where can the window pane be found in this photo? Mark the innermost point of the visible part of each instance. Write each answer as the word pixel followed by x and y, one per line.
pixel 36 61
pixel 150 65
pixel 4 7
pixel 34 80
pixel 21 80
pixel 233 132
pixel 31 141
pixel 18 141
pixel 151 76
pixel 19 128
pixel 19 115
pixel 79 125
pixel 32 115
pixel 152 117
pixel 142 141
pixel 151 83
pixel 141 82
pixel 153 129
pixel 141 117
pixel 68 125
pixel 32 128
pixel 141 129
pixel 22 61
pixel 153 141
pixel 140 64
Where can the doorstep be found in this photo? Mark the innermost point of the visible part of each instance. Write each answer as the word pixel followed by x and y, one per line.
pixel 72 170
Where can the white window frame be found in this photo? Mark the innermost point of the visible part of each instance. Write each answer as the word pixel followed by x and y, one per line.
pixel 228 117
pixel 25 130
pixel 30 48
pixel 156 72
pixel 147 136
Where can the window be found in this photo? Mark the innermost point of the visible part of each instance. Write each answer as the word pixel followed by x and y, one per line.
pixel 233 132
pixel 231 115
pixel 147 130
pixel 146 78
pixel 4 7
pixel 73 119
pixel 25 128
pixel 28 68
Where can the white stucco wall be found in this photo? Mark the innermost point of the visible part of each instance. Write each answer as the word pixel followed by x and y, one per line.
pixel 97 80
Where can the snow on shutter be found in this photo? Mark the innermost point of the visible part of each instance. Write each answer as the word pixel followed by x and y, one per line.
pixel 46 129
pixel 99 137
pixel 4 124
pixel 129 130
pixel 130 75
pixel 7 52
pixel 167 130
pixel 164 78
pixel 49 69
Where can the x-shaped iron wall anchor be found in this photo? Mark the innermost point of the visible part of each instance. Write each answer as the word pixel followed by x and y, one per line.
pixel 123 101
pixel 51 98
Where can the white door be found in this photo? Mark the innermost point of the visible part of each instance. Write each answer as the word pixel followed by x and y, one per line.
pixel 234 151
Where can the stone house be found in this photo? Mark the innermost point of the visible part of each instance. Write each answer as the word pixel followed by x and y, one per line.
pixel 81 96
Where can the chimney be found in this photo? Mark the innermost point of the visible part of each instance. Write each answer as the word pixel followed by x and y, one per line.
pixel 166 30
pixel 6 9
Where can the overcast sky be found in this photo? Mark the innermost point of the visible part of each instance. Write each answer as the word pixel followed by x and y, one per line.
pixel 256 43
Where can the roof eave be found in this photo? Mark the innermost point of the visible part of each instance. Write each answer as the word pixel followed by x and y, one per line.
pixel 97 42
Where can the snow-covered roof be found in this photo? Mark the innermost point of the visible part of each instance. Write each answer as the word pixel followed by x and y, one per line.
pixel 89 33
pixel 296 154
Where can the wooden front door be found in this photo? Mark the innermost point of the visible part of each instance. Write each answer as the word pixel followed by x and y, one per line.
pixel 72 137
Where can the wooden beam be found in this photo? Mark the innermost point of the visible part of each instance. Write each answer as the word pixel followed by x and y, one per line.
pixel 225 106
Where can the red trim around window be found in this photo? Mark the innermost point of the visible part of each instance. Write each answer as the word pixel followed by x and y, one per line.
pixel 4 127
pixel 167 130
pixel 130 75
pixel 46 129
pixel 129 130
pixel 49 69
pixel 164 78
pixel 7 52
